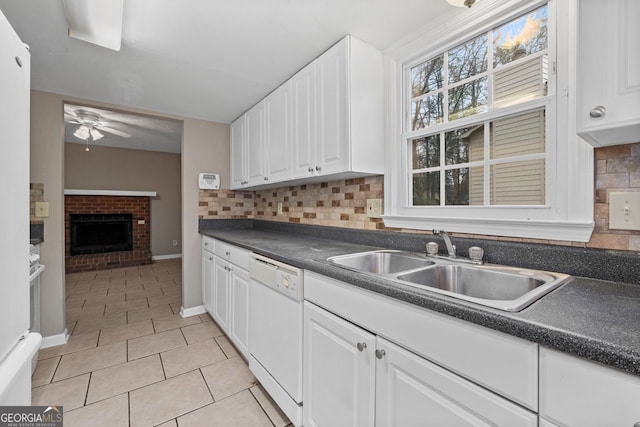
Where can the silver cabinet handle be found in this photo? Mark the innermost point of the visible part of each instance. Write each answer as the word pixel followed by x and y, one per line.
pixel 380 354
pixel 228 253
pixel 210 258
pixel 318 168
pixel 266 178
pixel 361 346
pixel 598 113
pixel 310 169
pixel 206 243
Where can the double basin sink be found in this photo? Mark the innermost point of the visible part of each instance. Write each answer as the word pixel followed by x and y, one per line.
pixel 496 286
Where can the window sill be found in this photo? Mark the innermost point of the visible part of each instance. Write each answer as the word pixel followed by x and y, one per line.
pixel 529 229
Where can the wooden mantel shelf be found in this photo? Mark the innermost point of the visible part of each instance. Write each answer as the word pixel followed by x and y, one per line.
pixel 70 192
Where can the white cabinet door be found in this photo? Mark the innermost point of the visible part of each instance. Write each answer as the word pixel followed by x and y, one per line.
pixel 238 153
pixel 608 71
pixel 207 281
pixel 303 87
pixel 278 111
pixel 410 391
pixel 332 109
pixel 577 392
pixel 239 332
pixel 339 371
pixel 221 293
pixel 255 145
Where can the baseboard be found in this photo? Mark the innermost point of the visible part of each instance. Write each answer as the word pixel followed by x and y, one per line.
pixel 161 257
pixel 188 312
pixel 54 340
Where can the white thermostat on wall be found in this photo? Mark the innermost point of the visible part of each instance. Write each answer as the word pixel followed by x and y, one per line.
pixel 208 181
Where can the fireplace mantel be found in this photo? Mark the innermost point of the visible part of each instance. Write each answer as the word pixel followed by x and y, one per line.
pixel 73 192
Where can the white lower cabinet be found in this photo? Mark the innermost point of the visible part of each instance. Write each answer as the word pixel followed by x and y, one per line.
pixel 578 392
pixel 339 371
pixel 221 282
pixel 354 378
pixel 239 322
pixel 411 391
pixel 225 289
pixel 207 281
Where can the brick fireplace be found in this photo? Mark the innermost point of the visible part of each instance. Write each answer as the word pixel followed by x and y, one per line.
pixel 139 207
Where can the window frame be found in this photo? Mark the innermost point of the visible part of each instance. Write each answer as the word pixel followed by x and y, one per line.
pixel 568 212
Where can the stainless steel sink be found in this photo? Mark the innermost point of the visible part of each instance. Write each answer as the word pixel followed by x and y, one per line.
pixel 505 288
pixel 501 287
pixel 381 262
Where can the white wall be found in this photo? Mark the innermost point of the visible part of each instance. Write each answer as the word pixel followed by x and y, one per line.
pixel 205 148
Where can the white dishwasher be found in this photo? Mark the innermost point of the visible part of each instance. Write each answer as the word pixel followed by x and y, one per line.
pixel 275 332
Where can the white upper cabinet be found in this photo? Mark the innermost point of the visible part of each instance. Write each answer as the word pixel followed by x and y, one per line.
pixel 332 104
pixel 277 144
pixel 303 115
pixel 326 121
pixel 608 73
pixel 255 145
pixel 238 154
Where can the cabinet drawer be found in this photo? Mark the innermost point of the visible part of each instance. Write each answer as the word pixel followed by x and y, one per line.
pixel 208 243
pixel 502 363
pixel 578 392
pixel 233 254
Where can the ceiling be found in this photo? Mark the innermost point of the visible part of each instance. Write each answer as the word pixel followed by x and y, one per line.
pixel 205 59
pixel 124 130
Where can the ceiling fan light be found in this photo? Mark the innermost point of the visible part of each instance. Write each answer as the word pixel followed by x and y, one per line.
pixel 95 21
pixel 95 134
pixel 82 132
pixel 462 3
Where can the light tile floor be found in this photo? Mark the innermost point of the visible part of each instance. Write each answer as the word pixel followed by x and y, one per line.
pixel 132 360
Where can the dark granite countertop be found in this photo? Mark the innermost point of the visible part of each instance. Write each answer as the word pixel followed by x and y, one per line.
pixel 594 319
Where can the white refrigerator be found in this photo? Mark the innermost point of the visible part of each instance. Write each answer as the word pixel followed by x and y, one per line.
pixel 17 345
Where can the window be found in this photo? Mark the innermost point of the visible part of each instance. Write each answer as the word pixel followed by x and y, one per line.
pixel 481 133
pixel 494 161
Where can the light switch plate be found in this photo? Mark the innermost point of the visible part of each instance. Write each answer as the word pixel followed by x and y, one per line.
pixel 624 211
pixel 42 209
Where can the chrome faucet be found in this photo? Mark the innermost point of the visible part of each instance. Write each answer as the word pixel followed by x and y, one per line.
pixel 451 249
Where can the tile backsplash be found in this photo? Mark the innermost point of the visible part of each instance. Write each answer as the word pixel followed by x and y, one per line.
pixel 617 170
pixel 343 203
pixel 335 203
pixel 225 204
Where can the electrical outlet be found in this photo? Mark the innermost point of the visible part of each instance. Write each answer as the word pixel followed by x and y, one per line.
pixel 279 208
pixel 174 243
pixel 374 208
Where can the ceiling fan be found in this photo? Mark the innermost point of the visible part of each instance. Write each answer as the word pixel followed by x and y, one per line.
pixel 90 125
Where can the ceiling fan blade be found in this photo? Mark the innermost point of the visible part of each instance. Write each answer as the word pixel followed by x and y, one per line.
pixel 70 118
pixel 115 132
